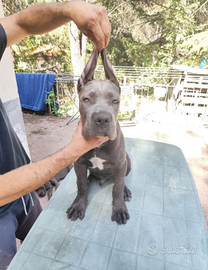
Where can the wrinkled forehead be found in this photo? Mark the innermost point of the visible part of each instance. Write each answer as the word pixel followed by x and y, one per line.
pixel 100 88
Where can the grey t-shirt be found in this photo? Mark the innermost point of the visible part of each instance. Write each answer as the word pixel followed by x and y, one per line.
pixel 3 41
pixel 12 153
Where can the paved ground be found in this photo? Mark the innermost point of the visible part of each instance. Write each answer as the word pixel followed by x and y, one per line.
pixel 47 134
pixel 165 230
pixel 193 141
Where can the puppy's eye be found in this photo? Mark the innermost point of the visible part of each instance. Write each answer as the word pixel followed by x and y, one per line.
pixel 86 99
pixel 115 101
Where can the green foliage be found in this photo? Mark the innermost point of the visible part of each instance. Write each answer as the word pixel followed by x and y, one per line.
pixel 154 34
pixel 194 48
pixel 144 33
pixel 51 101
pixel 44 53
pixel 155 31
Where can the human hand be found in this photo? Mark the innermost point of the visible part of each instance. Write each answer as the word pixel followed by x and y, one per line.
pixel 80 145
pixel 92 21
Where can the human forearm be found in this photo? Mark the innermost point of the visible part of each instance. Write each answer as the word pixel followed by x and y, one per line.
pixel 92 20
pixel 25 179
pixel 37 19
pixel 44 17
pixel 19 182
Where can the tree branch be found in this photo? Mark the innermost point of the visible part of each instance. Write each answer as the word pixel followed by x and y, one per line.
pixel 200 7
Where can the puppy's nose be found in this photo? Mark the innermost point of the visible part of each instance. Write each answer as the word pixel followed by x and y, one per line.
pixel 102 118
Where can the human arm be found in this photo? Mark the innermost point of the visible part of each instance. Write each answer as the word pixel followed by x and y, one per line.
pixel 92 20
pixel 27 178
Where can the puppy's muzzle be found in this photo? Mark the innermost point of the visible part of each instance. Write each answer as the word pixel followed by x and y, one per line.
pixel 101 119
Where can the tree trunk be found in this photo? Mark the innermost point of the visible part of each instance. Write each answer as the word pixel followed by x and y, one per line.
pixel 78 43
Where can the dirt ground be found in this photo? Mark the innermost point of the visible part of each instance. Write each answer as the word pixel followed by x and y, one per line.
pixel 47 134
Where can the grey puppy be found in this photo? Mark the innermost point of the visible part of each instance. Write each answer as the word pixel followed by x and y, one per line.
pixel 99 108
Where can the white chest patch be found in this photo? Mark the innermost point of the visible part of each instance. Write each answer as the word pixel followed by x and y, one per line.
pixel 97 163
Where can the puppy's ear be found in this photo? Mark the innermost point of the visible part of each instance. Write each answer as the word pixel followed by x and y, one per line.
pixel 88 72
pixel 109 73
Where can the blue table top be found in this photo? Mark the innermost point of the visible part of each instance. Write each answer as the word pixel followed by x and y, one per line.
pixel 166 230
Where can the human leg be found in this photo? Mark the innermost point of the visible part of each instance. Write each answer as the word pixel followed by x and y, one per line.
pixel 8 226
pixel 16 223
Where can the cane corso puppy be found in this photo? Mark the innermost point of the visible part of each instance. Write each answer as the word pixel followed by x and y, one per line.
pixel 99 108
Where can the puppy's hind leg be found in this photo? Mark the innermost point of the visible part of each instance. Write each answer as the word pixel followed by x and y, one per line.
pixel 91 178
pixel 127 194
pixel 128 160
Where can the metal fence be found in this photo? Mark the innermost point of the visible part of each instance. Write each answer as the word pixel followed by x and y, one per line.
pixel 143 90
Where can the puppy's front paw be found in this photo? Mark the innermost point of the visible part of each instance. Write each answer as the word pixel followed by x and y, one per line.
pixel 76 210
pixel 120 214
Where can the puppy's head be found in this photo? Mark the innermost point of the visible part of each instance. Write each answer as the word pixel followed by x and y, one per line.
pixel 98 99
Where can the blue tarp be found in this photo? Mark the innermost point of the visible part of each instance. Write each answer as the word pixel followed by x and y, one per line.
pixel 33 89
